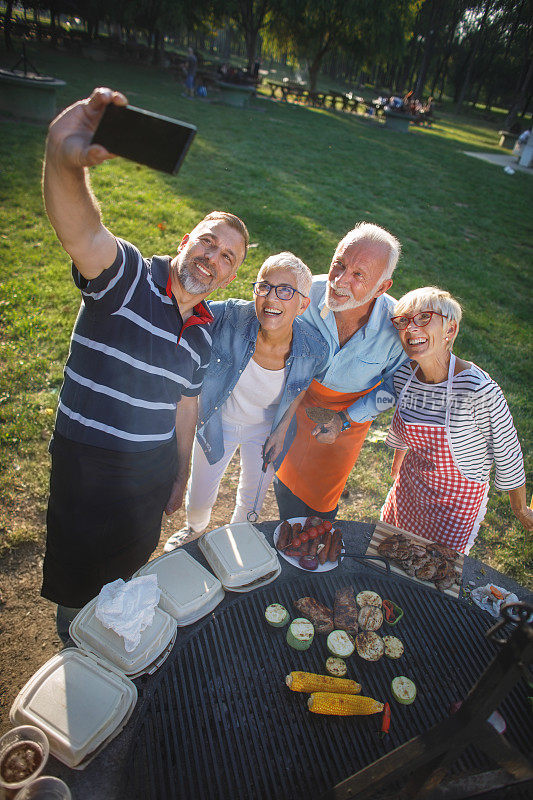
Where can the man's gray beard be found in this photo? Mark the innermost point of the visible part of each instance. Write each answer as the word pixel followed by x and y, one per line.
pixel 191 284
pixel 350 303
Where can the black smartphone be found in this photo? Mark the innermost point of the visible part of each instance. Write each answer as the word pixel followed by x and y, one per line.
pixel 142 136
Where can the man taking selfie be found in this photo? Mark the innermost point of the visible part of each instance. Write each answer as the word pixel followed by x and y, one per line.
pixel 139 349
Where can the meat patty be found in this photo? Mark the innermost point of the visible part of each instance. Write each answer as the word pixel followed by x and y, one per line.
pixel 321 616
pixel 345 610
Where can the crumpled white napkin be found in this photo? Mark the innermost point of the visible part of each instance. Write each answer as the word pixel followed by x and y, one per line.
pixel 128 607
pixel 483 597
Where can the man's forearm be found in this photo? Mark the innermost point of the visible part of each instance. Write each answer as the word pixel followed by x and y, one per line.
pixel 186 418
pixel 70 205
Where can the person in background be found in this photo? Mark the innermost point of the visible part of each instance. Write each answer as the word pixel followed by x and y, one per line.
pixel 264 357
pixel 350 308
pixel 139 350
pixel 192 64
pixel 451 425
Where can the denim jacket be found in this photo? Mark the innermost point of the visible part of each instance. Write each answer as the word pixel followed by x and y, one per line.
pixel 234 332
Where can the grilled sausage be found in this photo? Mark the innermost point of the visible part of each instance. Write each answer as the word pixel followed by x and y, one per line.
pixel 335 546
pixel 323 555
pixel 285 535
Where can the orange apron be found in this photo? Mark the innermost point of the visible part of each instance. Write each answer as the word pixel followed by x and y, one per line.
pixel 316 473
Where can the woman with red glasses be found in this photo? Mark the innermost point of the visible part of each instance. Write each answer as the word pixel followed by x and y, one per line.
pixel 451 424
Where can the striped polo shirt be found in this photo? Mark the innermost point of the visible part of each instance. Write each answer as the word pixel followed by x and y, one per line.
pixel 131 356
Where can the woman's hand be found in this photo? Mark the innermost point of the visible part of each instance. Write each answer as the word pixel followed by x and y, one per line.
pixel 399 456
pixel 273 446
pixel 517 498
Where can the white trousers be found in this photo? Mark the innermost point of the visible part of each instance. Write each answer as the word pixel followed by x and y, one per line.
pixel 204 480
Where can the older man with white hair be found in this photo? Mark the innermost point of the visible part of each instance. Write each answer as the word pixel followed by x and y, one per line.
pixel 365 351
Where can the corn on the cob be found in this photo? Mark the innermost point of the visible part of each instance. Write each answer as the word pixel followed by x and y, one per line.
pixel 342 705
pixel 309 682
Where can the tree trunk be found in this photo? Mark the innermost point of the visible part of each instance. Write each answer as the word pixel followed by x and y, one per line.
pixel 471 58
pixel 7 25
pixel 520 97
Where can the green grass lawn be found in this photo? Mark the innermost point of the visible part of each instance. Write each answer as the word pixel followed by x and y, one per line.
pixel 300 178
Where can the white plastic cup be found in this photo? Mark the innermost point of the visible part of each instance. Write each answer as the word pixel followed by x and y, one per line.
pixel 45 788
pixel 23 734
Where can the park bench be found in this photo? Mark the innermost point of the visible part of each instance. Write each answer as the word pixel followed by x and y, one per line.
pixel 507 139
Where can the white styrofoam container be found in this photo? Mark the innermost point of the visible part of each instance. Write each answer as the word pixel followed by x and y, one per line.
pixel 240 556
pixel 88 633
pixel 188 590
pixel 82 698
pixel 79 703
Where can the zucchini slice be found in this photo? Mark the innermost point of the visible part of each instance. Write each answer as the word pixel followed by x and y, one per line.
pixel 300 634
pixel 336 666
pixel 404 690
pixel 340 644
pixel 276 615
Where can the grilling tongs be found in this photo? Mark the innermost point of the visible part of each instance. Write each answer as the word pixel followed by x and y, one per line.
pixel 366 560
pixel 253 516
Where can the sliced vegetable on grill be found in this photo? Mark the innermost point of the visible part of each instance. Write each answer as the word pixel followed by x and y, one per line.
pixel 343 705
pixel 393 647
pixel 340 643
pixel 370 618
pixel 336 666
pixel 368 598
pixel 310 682
pixel 404 690
pixel 369 645
pixel 300 634
pixel 276 615
pixel 385 722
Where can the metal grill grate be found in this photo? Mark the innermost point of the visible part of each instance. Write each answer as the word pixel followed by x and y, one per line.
pixel 221 724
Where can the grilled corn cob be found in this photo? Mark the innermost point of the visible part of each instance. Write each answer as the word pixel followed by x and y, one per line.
pixel 342 705
pixel 309 682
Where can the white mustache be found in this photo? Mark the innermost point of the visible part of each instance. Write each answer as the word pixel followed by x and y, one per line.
pixel 342 292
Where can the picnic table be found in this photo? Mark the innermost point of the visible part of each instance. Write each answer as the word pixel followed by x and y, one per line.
pixel 196 735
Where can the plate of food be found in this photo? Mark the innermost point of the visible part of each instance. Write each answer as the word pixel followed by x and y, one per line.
pixel 309 543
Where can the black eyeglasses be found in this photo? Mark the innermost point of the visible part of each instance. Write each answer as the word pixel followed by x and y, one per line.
pixel 421 319
pixel 283 291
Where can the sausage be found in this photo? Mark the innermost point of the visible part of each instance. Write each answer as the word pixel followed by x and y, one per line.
pixel 296 529
pixel 313 545
pixel 290 551
pixel 335 546
pixel 323 555
pixel 285 535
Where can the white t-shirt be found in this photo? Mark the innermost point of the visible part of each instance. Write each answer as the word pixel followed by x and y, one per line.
pixel 256 396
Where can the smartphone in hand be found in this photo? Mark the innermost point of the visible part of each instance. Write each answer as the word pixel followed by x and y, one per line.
pixel 142 136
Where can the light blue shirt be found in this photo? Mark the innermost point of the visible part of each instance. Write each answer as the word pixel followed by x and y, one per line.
pixel 373 354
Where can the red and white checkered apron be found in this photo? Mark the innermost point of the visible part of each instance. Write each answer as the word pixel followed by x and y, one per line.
pixel 430 497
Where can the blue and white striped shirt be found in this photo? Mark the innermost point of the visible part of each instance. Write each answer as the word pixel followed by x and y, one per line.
pixel 131 356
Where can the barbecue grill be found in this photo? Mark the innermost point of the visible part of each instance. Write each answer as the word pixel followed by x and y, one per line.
pixel 218 722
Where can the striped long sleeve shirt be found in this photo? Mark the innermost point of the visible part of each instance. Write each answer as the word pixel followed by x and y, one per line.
pixel 482 432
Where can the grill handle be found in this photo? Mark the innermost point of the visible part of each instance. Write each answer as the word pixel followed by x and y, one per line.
pixel 366 560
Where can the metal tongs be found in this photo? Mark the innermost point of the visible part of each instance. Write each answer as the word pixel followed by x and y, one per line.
pixel 253 516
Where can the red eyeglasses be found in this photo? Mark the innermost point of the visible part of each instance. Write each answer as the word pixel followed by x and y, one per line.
pixel 421 319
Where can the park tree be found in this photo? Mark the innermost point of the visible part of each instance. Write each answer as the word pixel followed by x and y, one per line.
pixel 249 16
pixel 310 29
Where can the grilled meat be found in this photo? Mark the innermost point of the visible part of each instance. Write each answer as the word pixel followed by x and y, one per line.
pixel 345 610
pixel 321 616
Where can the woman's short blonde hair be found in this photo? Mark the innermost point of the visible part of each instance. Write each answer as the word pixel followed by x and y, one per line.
pixel 286 260
pixel 431 298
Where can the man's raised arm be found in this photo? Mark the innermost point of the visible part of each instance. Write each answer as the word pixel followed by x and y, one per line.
pixel 69 201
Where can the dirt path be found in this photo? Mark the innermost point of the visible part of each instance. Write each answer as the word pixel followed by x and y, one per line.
pixel 28 635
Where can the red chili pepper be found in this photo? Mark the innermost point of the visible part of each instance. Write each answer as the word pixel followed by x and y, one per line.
pixel 389 611
pixel 385 722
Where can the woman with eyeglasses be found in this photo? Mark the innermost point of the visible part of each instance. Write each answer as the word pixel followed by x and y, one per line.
pixel 263 359
pixel 450 426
